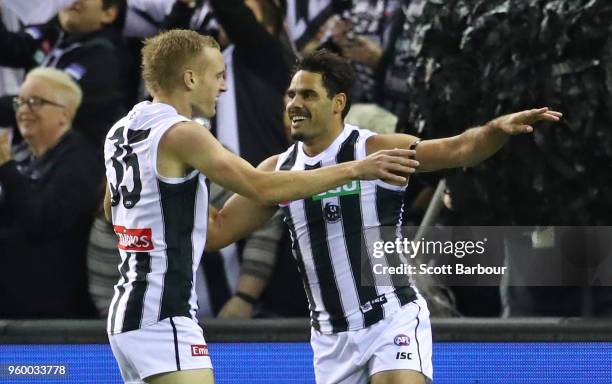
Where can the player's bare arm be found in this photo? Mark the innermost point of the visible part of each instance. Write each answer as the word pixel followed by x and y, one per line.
pixel 239 216
pixel 470 147
pixel 189 146
pixel 107 206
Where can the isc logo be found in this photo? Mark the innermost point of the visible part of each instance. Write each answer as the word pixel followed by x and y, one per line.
pixel 199 350
pixel 401 340
pixel 403 356
pixel 377 302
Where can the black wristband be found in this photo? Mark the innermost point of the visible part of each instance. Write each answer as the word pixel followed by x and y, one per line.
pixel 414 145
pixel 246 297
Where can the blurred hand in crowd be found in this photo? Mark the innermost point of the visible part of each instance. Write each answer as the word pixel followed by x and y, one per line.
pixel 236 308
pixel 5 147
pixel 354 47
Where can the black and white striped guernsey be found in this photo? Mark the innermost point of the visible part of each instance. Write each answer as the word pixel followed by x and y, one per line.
pixel 330 230
pixel 160 222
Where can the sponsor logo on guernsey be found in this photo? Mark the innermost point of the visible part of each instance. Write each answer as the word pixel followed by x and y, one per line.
pixel 401 340
pixel 134 240
pixel 377 302
pixel 199 350
pixel 332 213
pixel 351 188
pixel 403 356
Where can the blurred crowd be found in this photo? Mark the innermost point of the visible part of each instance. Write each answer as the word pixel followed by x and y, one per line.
pixel 70 68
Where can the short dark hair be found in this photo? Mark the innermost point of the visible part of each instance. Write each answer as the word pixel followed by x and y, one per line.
pixel 336 72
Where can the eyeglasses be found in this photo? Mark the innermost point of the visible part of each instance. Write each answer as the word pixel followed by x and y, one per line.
pixel 33 103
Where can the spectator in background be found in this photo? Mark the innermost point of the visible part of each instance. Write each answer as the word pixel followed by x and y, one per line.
pixel 357 30
pixel 14 14
pixel 306 19
pixel 230 286
pixel 258 57
pixel 249 122
pixel 48 200
pixel 258 61
pixel 10 79
pixel 84 42
pixel 360 34
pixel 102 259
pixel 33 12
pixel 373 35
pixel 145 18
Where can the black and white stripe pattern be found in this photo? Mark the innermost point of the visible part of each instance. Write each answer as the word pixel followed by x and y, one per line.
pixel 177 357
pixel 178 211
pixel 135 303
pixel 342 290
pixel 305 18
pixel 169 219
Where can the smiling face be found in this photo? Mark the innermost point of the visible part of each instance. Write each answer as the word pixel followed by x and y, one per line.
pixel 85 16
pixel 206 80
pixel 44 121
pixel 310 108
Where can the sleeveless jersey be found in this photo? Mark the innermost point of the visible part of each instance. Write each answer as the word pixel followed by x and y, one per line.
pixel 160 222
pixel 331 232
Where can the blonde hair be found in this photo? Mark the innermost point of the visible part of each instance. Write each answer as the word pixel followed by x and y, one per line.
pixel 166 56
pixel 63 86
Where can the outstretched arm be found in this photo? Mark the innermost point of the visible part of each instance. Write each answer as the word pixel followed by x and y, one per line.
pixel 194 146
pixel 469 148
pixel 239 217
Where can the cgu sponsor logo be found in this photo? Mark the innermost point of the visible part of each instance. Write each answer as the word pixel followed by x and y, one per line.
pixel 199 350
pixel 134 240
pixel 351 188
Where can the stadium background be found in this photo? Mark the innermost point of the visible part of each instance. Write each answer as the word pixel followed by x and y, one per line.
pixel 456 42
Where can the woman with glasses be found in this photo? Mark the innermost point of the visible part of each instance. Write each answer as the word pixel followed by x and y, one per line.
pixel 50 189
